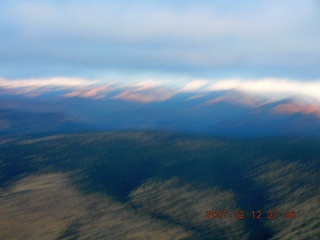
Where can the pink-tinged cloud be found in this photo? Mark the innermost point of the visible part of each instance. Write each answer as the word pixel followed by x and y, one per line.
pixel 236 98
pixel 35 87
pixel 290 108
pixel 146 96
pixel 73 94
pixel 94 92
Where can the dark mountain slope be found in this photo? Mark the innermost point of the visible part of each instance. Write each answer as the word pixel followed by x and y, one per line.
pixel 175 179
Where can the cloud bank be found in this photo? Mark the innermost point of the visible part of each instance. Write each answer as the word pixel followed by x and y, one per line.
pixel 154 89
pixel 271 86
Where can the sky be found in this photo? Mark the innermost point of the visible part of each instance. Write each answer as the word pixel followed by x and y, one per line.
pixel 166 41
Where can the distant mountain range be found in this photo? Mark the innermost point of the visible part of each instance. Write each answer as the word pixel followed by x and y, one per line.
pixel 226 113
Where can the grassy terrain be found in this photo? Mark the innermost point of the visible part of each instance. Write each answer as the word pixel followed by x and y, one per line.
pixel 157 185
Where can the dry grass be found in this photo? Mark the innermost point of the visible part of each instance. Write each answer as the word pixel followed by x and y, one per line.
pixel 187 205
pixel 50 207
pixel 293 187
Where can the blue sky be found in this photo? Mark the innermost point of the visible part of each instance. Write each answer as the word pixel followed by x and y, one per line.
pixel 160 39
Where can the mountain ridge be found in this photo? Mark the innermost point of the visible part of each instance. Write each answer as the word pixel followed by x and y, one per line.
pixel 219 113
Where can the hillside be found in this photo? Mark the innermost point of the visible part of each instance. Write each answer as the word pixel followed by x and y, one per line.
pixel 158 185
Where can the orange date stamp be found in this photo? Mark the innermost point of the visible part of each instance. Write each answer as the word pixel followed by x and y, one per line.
pixel 241 214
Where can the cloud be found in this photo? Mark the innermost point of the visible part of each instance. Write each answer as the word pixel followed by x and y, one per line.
pixel 270 86
pixel 194 85
pixel 290 108
pixel 144 89
pixel 93 92
pixel 147 84
pixel 75 86
pixel 224 85
pixel 146 95
pixel 63 82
